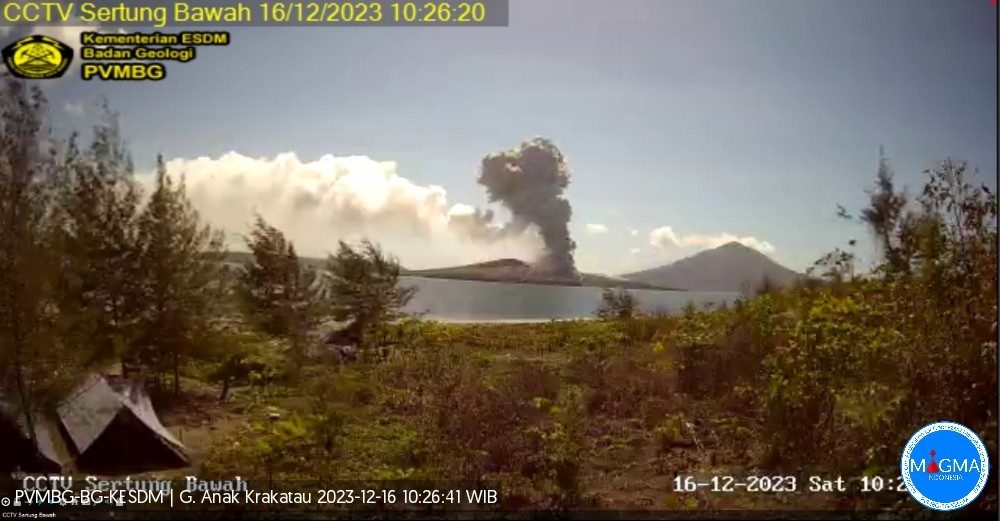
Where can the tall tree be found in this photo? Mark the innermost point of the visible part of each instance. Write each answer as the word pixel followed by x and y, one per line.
pixel 179 262
pixel 885 214
pixel 364 288
pixel 279 293
pixel 98 208
pixel 28 354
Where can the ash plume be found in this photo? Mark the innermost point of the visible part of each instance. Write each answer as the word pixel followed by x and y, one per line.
pixel 316 202
pixel 529 181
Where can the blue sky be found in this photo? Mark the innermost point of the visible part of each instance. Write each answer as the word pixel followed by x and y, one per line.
pixel 710 117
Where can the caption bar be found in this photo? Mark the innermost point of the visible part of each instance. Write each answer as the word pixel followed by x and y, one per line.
pixel 234 13
pixel 59 493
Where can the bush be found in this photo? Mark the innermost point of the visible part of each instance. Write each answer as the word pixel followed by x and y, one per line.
pixel 837 376
pixel 617 303
pixel 242 358
pixel 829 377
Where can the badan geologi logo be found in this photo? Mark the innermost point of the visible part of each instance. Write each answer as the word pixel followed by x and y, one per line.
pixel 945 466
pixel 37 57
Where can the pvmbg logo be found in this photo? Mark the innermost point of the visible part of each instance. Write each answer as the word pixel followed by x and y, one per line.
pixel 945 466
pixel 37 57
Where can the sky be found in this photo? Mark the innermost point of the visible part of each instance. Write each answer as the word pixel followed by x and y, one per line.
pixel 685 124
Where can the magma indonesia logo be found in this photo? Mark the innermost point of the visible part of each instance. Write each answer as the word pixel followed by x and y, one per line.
pixel 945 466
pixel 37 57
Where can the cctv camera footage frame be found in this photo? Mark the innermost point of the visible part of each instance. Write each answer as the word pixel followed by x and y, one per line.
pixel 498 259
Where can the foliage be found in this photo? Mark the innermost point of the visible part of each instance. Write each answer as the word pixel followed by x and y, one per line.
pixel 30 356
pixel 180 260
pixel 241 358
pixel 97 211
pixel 363 287
pixel 830 376
pixel 885 213
pixel 838 375
pixel 617 303
pixel 279 294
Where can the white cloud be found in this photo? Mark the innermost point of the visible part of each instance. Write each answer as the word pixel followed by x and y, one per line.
pixel 635 251
pixel 78 109
pixel 316 203
pixel 663 237
pixel 666 237
pixel 68 34
pixel 597 229
pixel 633 232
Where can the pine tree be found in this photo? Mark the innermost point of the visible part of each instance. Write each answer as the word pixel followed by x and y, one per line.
pixel 279 294
pixel 885 215
pixel 364 289
pixel 97 209
pixel 28 351
pixel 179 265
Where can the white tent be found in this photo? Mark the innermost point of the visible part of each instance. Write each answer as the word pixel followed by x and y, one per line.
pixel 112 427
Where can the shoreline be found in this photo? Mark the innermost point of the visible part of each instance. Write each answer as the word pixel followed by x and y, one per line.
pixel 501 321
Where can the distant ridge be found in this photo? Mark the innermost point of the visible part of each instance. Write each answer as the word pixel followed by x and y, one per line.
pixel 730 267
pixel 499 270
pixel 517 271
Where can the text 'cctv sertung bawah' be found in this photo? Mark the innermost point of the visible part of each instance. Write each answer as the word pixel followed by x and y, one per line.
pixel 53 12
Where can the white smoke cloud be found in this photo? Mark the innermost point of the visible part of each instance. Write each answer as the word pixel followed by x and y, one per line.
pixel 633 232
pixel 635 251
pixel 597 229
pixel 316 203
pixel 665 237
pixel 68 34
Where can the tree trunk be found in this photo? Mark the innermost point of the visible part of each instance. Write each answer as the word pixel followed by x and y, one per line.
pixel 19 380
pixel 22 391
pixel 177 375
pixel 296 346
pixel 225 390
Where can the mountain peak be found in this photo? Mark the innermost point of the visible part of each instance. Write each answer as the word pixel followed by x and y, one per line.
pixel 734 245
pixel 731 267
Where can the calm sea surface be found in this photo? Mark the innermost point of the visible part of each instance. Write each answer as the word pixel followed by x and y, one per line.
pixel 472 301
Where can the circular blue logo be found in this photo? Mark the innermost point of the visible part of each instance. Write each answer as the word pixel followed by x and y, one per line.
pixel 945 466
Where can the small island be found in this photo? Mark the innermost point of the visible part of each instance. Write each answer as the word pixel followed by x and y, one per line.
pixel 512 271
pixel 520 272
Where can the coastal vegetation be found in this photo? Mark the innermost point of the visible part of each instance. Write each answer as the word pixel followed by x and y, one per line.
pixel 828 378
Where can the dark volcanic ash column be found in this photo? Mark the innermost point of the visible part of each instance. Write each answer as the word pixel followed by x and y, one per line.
pixel 530 181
